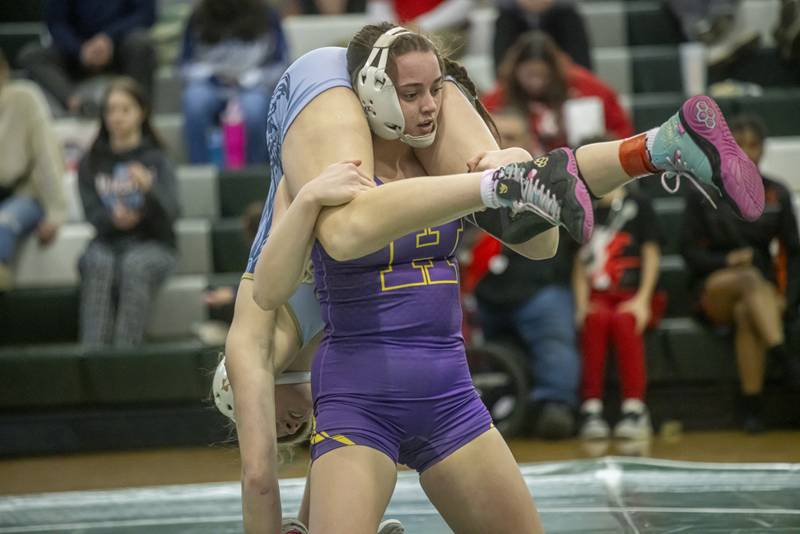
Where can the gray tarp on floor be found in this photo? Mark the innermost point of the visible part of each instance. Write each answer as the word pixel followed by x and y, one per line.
pixel 606 495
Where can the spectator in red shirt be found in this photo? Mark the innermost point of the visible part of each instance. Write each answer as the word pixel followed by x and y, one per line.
pixel 538 78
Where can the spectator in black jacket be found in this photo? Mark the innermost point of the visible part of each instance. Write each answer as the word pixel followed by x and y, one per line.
pixel 129 195
pixel 90 37
pixel 739 281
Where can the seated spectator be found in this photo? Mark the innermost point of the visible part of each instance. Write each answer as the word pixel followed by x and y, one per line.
pixel 614 280
pixel 129 194
pixel 538 79
pixel 32 195
pixel 559 19
pixel 447 19
pixel 233 51
pixel 91 37
pixel 719 24
pixel 787 32
pixel 738 281
pixel 533 301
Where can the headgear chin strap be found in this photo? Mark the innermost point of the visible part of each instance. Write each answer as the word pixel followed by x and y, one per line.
pixel 223 392
pixel 379 98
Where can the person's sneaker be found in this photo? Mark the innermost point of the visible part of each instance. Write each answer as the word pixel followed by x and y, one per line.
pixel 697 144
pixel 555 421
pixel 391 526
pixel 635 421
pixel 293 526
pixel 549 187
pixel 593 426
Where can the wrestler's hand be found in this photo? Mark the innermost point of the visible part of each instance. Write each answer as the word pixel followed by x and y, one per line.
pixel 338 184
pixel 497 158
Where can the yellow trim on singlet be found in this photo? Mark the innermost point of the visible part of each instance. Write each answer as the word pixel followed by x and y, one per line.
pixel 319 437
pixel 248 276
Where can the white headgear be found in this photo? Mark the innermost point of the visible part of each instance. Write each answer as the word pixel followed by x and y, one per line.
pixel 379 98
pixel 223 392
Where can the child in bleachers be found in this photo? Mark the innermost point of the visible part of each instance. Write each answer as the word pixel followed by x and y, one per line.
pixel 129 194
pixel 233 51
pixel 32 195
pixel 614 279
pixel 738 280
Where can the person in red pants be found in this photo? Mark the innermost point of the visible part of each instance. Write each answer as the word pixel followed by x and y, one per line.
pixel 614 278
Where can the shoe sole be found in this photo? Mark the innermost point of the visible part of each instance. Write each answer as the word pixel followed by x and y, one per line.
pixel 579 200
pixel 733 173
pixel 576 201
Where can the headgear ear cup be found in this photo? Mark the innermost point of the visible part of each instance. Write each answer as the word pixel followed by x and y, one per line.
pixel 378 96
pixel 222 391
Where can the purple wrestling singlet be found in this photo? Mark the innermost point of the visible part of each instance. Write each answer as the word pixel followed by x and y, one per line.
pixel 391 372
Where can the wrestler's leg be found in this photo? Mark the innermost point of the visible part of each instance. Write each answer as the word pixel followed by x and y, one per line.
pixel 479 488
pixel 696 139
pixel 694 143
pixel 330 129
pixel 350 489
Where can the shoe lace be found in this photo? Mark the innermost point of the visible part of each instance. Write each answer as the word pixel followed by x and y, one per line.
pixel 538 198
pixel 682 171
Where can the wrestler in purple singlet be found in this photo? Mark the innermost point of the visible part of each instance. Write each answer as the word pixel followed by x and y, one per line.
pixel 391 372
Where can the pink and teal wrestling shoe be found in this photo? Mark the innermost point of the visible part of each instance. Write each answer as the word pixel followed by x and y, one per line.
pixel 697 144
pixel 546 188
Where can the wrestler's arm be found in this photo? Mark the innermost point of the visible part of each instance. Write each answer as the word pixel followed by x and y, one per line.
pixel 250 367
pixel 282 261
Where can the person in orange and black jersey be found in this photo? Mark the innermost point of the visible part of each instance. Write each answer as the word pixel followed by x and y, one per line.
pixel 739 281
